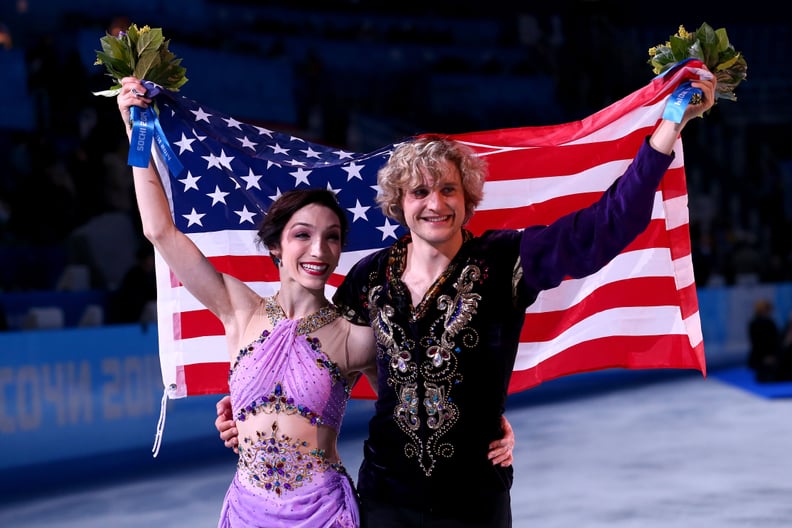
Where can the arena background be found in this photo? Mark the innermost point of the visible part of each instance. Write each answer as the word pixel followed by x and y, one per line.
pixel 80 388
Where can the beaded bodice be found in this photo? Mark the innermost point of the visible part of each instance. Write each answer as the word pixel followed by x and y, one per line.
pixel 286 371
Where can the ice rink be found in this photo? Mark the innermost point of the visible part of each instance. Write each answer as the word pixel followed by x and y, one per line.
pixel 664 451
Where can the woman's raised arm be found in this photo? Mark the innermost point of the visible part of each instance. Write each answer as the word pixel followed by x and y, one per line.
pixel 221 294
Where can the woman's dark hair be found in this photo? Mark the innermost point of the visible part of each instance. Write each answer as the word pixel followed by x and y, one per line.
pixel 280 212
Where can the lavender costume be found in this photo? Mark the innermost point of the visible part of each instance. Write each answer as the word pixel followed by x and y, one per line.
pixel 280 481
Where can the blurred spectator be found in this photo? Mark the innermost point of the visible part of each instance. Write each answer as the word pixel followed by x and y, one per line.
pixel 785 356
pixel 43 69
pixel 703 254
pixel 310 96
pixel 50 187
pixel 3 319
pixel 765 342
pixel 118 185
pixel 6 40
pixel 138 288
pixel 118 24
pixel 106 244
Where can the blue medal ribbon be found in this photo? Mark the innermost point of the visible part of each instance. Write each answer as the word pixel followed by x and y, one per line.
pixel 147 128
pixel 679 100
pixel 142 131
pixel 174 165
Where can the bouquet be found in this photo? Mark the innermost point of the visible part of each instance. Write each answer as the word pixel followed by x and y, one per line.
pixel 711 47
pixel 142 53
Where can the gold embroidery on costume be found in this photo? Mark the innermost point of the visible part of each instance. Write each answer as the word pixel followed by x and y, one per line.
pixel 447 336
pixel 306 325
pixel 407 412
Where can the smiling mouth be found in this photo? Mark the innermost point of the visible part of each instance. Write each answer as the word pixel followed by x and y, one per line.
pixel 315 269
pixel 437 219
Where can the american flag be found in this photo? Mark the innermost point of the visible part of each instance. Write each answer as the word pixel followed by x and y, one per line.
pixel 640 311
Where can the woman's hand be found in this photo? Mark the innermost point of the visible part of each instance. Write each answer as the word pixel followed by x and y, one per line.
pixel 501 451
pixel 132 94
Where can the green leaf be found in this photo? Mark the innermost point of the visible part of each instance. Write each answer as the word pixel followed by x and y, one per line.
pixel 116 66
pixel 696 52
pixel 150 40
pixel 723 40
pixel 679 47
pixel 116 47
pixel 709 43
pixel 145 62
pixel 727 64
pixel 132 35
pixel 705 33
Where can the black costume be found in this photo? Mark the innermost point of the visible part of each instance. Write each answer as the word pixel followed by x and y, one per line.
pixel 444 366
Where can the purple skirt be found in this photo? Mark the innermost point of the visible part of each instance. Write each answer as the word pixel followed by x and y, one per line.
pixel 327 500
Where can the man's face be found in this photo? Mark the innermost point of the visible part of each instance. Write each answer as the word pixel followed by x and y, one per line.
pixel 435 210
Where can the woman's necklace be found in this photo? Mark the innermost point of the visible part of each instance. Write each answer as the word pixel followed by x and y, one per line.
pixel 305 325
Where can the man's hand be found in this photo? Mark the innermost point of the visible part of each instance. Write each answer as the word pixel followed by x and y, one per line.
pixel 226 425
pixel 501 451
pixel 665 135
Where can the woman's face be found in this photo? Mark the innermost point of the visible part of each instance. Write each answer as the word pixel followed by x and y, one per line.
pixel 310 247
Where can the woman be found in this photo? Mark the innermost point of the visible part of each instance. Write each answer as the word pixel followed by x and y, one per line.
pixel 293 358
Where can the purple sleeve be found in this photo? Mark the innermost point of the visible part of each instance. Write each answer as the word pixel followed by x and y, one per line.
pixel 582 242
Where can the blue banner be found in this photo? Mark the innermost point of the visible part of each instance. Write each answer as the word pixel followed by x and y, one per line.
pixel 68 394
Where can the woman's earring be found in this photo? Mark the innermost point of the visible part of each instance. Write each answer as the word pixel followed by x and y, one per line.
pixel 277 261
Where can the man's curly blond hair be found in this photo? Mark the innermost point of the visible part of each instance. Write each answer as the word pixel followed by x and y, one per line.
pixel 425 155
